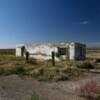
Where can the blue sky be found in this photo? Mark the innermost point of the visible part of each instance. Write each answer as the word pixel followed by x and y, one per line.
pixel 29 21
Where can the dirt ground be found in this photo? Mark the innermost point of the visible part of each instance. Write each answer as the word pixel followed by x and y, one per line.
pixel 22 88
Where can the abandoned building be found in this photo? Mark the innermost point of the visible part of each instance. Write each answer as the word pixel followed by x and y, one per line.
pixel 63 51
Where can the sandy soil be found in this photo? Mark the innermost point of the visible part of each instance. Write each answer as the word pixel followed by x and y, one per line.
pixel 22 88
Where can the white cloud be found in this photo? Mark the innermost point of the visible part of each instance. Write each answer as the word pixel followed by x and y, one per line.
pixel 84 22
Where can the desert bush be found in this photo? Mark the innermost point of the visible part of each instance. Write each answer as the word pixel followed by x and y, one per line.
pixel 61 77
pixel 73 72
pixel 34 96
pixel 98 97
pixel 38 69
pixel 48 73
pixel 18 69
pixel 90 90
pixel 32 61
pixel 55 73
pixel 2 71
pixel 6 71
pixel 97 66
pixel 86 65
pixel 36 72
pixel 71 63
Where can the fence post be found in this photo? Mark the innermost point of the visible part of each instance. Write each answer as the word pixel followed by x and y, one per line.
pixel 27 57
pixel 53 58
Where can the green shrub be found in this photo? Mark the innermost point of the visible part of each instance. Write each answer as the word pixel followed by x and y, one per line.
pixel 98 97
pixel 19 69
pixel 86 65
pixel 48 73
pixel 2 71
pixel 61 77
pixel 73 73
pixel 53 74
pixel 36 72
pixel 34 96
pixel 33 61
pixel 45 74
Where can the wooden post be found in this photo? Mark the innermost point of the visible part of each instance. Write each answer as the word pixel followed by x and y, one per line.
pixel 27 56
pixel 53 58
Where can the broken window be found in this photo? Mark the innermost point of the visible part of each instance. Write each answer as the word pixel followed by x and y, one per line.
pixel 62 51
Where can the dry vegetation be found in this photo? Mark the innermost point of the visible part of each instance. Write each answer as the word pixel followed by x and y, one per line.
pixel 64 70
pixel 38 69
pixel 93 53
pixel 44 71
pixel 90 90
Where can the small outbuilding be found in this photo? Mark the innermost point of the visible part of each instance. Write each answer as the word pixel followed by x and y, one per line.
pixel 63 51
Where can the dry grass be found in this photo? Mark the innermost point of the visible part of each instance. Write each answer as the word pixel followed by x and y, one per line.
pixel 40 70
pixel 43 70
pixel 93 53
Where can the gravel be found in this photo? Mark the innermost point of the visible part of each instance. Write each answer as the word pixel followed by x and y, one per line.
pixel 14 87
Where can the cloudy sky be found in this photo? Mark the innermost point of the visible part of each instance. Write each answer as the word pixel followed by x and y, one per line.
pixel 29 21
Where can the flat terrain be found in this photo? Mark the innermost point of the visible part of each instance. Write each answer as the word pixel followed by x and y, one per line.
pixel 14 87
pixel 93 52
pixel 38 80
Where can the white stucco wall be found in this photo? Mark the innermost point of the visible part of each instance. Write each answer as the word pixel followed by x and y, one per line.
pixel 40 51
pixel 72 51
pixel 18 49
pixel 43 51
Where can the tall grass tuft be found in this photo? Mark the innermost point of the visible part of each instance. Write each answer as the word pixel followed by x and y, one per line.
pixel 86 65
pixel 19 69
pixel 34 96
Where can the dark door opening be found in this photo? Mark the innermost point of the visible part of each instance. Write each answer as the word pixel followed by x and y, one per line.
pixel 22 51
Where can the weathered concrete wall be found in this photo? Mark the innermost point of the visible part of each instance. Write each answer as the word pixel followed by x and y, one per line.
pixel 72 51
pixel 41 51
pixel 19 50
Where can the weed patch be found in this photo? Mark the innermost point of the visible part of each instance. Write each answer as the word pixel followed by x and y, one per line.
pixel 90 90
pixel 34 96
pixel 19 69
pixel 86 65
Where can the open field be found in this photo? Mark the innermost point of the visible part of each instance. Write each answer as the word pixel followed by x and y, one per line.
pixel 39 80
pixel 14 87
pixel 93 52
pixel 7 51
